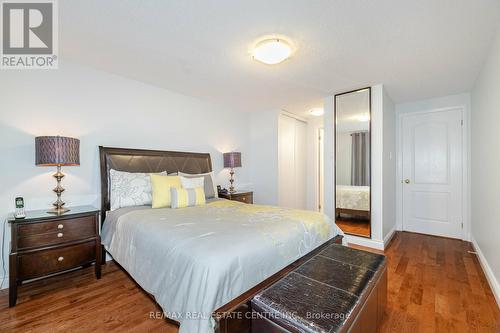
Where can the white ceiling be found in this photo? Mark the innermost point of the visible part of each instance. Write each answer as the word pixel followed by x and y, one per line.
pixel 418 49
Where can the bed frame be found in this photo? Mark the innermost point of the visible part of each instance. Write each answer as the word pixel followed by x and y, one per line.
pixel 357 212
pixel 233 316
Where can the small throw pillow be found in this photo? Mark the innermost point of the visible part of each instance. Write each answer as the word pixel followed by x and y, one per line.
pixel 129 189
pixel 161 189
pixel 192 182
pixel 209 184
pixel 186 197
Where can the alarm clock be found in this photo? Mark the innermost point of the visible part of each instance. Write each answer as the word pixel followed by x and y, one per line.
pixel 19 213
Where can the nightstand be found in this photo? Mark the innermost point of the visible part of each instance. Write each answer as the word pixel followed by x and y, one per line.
pixel 44 244
pixel 245 197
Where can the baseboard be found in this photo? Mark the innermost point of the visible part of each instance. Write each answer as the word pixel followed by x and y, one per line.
pixel 388 237
pixel 494 284
pixel 375 244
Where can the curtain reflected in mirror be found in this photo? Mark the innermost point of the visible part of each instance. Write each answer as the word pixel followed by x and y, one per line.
pixel 352 162
pixel 360 159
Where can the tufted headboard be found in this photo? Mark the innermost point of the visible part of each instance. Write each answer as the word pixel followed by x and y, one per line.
pixel 142 160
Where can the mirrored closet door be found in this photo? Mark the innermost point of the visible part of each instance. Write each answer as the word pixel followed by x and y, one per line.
pixel 353 162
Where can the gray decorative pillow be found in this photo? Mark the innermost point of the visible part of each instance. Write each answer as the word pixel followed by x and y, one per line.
pixel 129 189
pixel 209 184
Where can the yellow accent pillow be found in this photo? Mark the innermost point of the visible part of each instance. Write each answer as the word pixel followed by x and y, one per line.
pixel 160 187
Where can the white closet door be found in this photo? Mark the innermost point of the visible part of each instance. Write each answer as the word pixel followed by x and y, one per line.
pixel 321 169
pixel 286 161
pixel 300 164
pixel 292 166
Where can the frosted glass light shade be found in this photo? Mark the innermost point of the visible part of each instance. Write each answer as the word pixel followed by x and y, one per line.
pixel 272 51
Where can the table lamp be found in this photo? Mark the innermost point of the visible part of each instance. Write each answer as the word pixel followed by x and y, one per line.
pixel 232 160
pixel 57 151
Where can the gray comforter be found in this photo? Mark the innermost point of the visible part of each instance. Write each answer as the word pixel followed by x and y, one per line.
pixel 196 259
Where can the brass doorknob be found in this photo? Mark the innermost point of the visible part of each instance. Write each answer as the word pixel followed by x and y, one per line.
pixel 407 181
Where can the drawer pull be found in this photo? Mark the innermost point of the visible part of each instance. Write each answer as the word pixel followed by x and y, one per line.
pixel 60 259
pixel 60 226
pixel 60 234
pixel 243 198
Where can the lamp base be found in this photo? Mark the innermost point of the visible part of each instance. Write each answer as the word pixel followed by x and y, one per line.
pixel 231 181
pixel 58 211
pixel 59 204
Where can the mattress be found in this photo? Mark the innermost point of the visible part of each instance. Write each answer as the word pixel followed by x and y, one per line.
pixel 196 259
pixel 352 197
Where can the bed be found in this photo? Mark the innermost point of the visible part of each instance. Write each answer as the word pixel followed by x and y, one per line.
pixel 352 200
pixel 203 264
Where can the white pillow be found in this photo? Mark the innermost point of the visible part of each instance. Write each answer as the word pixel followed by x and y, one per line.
pixel 209 185
pixel 188 183
pixel 129 189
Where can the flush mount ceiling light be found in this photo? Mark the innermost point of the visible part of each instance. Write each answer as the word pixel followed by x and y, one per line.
pixel 272 51
pixel 317 112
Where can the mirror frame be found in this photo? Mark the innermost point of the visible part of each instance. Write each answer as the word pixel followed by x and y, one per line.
pixel 335 153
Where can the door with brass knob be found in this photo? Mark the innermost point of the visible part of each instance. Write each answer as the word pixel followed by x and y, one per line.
pixel 432 156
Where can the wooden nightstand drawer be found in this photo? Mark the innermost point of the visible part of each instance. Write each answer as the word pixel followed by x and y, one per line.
pixel 245 197
pixel 86 222
pixel 44 262
pixel 48 233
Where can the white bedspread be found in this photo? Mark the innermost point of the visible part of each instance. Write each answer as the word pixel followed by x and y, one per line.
pixel 352 197
pixel 196 259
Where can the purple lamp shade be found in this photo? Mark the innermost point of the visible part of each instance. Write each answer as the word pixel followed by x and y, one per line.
pixel 57 151
pixel 232 160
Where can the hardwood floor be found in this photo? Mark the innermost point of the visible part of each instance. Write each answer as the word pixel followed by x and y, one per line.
pixel 354 226
pixel 435 285
pixel 77 302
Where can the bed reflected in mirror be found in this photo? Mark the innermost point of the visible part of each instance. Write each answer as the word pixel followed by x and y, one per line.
pixel 352 162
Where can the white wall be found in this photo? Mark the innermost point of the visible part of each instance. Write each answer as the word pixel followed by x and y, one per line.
pixel 329 164
pixel 377 167
pixel 389 169
pixel 485 143
pixel 104 109
pixel 264 151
